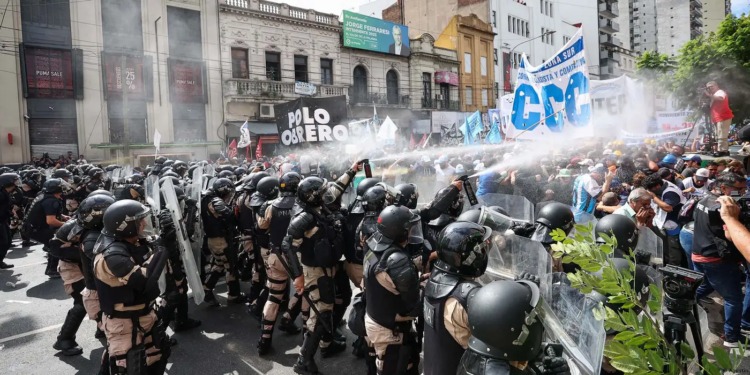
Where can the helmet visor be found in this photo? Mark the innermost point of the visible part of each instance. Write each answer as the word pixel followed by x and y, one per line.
pixel 146 227
pixel 542 234
pixel 415 231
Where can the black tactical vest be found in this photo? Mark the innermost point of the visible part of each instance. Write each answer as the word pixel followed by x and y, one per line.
pixel 262 237
pixel 88 240
pixel 706 242
pixel 382 305
pixel 246 214
pixel 281 215
pixel 213 226
pixel 110 296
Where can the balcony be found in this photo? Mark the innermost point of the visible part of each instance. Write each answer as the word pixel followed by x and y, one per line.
pixel 608 10
pixel 274 89
pixel 609 40
pixel 439 103
pixel 609 26
pixel 309 15
pixel 379 99
pixel 696 11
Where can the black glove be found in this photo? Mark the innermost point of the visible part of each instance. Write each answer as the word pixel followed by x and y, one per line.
pixel 168 231
pixel 530 277
pixel 523 229
pixel 553 363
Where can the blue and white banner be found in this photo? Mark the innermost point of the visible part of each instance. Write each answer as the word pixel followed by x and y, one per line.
pixel 553 99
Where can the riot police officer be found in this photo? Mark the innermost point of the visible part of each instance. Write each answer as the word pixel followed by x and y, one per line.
pixel 45 216
pixel 356 213
pixel 65 245
pixel 501 346
pixel 275 217
pixel 313 240
pixel 127 270
pixel 391 283
pixel 219 225
pixel 266 189
pixel 90 216
pixel 8 184
pixel 622 229
pixel 247 226
pixel 553 216
pixel 462 256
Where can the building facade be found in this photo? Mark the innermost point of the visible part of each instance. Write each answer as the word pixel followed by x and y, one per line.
pixel 678 22
pixel 101 79
pixel 473 41
pixel 714 11
pixel 609 44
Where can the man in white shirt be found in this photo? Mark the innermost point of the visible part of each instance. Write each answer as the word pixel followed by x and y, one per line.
pixel 697 184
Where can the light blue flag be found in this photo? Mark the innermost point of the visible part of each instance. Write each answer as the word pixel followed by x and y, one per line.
pixel 475 124
pixel 494 136
pixel 464 128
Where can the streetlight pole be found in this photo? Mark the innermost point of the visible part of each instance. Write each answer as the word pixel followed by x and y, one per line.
pixel 550 32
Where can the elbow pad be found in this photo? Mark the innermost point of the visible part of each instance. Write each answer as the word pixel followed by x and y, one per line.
pixel 155 267
pixel 290 251
pixel 441 204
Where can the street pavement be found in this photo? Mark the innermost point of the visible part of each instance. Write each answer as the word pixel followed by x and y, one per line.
pixel 33 307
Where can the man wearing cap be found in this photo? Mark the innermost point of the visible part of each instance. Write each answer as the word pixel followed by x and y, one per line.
pixel 588 189
pixel 721 115
pixel 697 184
pixel 693 161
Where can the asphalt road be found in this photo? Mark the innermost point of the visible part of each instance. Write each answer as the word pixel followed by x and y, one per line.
pixel 32 311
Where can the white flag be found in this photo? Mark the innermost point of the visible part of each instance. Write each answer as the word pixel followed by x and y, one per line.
pixel 157 140
pixel 244 136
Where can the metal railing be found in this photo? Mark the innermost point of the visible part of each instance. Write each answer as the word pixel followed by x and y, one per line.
pixel 273 89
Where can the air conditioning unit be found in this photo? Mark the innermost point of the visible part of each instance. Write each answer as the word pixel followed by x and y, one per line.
pixel 266 111
pixel 438 97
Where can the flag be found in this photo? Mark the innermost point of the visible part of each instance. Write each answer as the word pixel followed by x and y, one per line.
pixel 232 149
pixel 466 131
pixel 412 142
pixel 475 124
pixel 157 140
pixel 494 136
pixel 244 136
pixel 259 149
pixel 423 141
pixel 375 119
pixel 387 131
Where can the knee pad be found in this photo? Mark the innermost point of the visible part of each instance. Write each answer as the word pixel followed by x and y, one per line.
pixel 326 290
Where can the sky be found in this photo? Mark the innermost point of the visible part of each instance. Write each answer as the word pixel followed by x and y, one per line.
pixel 739 7
pixel 336 6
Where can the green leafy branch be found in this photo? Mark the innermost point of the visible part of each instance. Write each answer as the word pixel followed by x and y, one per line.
pixel 636 343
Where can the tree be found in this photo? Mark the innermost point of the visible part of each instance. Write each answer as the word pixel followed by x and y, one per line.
pixel 635 344
pixel 652 65
pixel 724 57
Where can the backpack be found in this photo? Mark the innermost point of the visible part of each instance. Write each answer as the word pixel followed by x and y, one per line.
pixel 686 212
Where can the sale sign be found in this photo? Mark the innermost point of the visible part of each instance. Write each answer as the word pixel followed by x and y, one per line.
pixel 553 99
pixel 49 72
pixel 186 81
pixel 124 74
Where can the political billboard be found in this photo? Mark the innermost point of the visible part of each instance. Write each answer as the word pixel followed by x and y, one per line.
pixel 312 120
pixel 372 34
pixel 553 99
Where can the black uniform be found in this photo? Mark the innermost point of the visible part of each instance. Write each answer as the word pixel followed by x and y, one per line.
pixel 6 238
pixel 36 226
pixel 220 227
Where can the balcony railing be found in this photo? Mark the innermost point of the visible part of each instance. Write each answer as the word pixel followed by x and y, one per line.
pixel 274 89
pixel 378 99
pixel 284 10
pixel 608 10
pixel 438 103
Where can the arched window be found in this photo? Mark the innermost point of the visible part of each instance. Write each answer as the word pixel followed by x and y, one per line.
pixel 391 82
pixel 359 94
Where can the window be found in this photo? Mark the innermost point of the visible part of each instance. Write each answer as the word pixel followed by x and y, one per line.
pixel 326 71
pixel 485 98
pixel 467 62
pixel 510 22
pixel 239 63
pixel 483 65
pixel 495 54
pixel 391 82
pixel 426 90
pixel 494 18
pixel 566 39
pixel 468 96
pixel 273 66
pixel 359 94
pixel 300 68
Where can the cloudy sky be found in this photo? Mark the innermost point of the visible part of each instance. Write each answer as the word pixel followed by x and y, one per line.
pixel 740 6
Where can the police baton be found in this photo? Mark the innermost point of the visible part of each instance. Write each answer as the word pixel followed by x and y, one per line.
pixel 327 325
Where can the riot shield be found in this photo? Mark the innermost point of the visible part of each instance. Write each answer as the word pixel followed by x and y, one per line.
pixel 495 220
pixel 513 255
pixel 195 193
pixel 156 197
pixel 568 318
pixel 186 251
pixel 583 217
pixel 196 184
pixel 650 243
pixel 518 207
pixel 208 176
pixel 149 183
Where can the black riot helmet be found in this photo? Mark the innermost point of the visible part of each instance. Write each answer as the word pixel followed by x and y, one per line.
pixel 223 187
pixel 8 179
pixel 53 186
pixel 374 199
pixel 91 211
pixel 166 172
pixel 168 163
pixel 472 216
pixel 135 179
pixel 180 167
pixel 132 191
pixel 311 190
pixel 160 160
pixel 85 168
pixel 122 219
pixel 268 187
pixel 462 248
pixel 101 192
pixel 111 167
pixel 228 175
pixel 289 182
pixel 95 173
pixel 518 335
pixel 175 180
pixel 72 168
pixel 240 172
pixel 5 170
pixel 395 223
pixel 62 173
pixel 68 231
pixel 620 227
pixel 408 195
pixel 365 184
pixel 251 183
pixel 556 215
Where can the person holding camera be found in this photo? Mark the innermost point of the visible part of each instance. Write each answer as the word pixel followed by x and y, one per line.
pixel 716 255
pixel 721 115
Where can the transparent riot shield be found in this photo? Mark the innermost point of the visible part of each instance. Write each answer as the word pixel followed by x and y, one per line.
pixel 156 198
pixel 495 220
pixel 650 243
pixel 195 193
pixel 186 251
pixel 512 255
pixel 584 218
pixel 568 318
pixel 208 176
pixel 518 207
pixel 196 184
pixel 149 183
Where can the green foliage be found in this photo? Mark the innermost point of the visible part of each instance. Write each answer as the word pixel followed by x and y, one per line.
pixel 724 57
pixel 653 66
pixel 637 345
